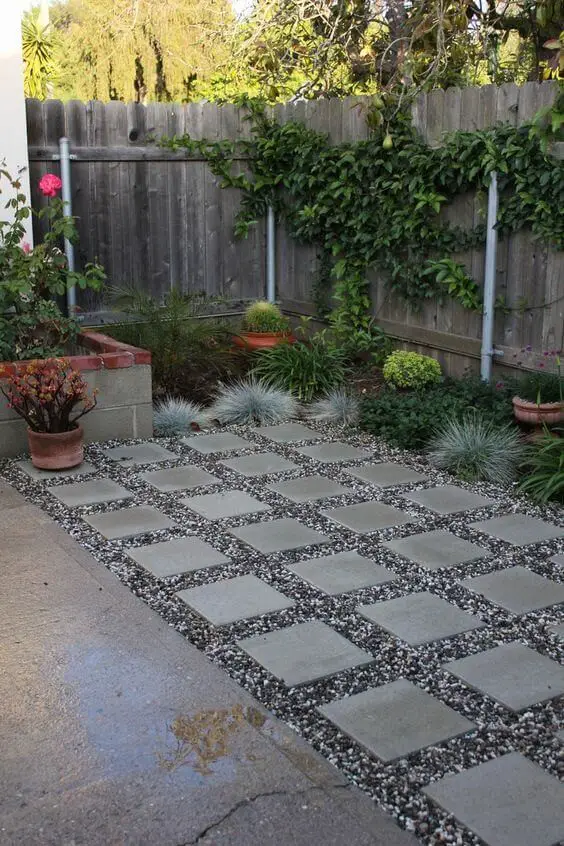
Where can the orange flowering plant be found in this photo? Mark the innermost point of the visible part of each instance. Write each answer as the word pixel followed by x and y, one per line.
pixel 46 392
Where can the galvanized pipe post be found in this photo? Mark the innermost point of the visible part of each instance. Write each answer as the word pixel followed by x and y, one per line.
pixel 64 153
pixel 488 351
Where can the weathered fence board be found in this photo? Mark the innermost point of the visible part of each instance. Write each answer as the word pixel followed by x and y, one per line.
pixel 158 219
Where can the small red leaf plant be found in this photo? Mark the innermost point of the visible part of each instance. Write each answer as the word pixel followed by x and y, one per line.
pixel 46 392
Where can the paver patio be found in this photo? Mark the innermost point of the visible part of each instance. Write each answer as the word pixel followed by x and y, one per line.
pixel 260 544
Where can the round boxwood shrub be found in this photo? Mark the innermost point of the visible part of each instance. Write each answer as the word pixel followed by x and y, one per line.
pixel 404 369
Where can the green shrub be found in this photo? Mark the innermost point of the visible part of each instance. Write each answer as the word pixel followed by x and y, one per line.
pixel 538 387
pixel 411 370
pixel 409 420
pixel 307 369
pixel 544 466
pixel 189 353
pixel 476 448
pixel 262 316
pixel 370 344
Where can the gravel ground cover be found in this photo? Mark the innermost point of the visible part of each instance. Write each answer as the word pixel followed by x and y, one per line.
pixel 482 721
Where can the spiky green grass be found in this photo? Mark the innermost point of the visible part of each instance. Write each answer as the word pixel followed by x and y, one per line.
pixel 173 417
pixel 476 449
pixel 251 401
pixel 337 407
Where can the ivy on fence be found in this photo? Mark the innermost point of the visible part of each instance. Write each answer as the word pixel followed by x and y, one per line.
pixel 377 203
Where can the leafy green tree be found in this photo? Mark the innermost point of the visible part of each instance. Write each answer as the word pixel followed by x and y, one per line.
pixel 139 50
pixel 38 48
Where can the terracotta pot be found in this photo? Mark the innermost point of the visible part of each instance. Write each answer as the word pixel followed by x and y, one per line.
pixel 56 451
pixel 529 412
pixel 262 340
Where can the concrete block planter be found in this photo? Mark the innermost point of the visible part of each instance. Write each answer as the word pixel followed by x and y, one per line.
pixel 121 374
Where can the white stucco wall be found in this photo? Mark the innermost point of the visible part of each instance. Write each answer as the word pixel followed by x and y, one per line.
pixel 13 134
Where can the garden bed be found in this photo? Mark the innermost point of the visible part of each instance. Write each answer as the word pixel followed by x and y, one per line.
pixel 120 373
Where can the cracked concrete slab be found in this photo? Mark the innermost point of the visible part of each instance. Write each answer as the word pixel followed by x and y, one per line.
pixel 101 704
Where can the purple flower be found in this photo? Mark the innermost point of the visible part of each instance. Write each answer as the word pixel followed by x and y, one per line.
pixel 528 348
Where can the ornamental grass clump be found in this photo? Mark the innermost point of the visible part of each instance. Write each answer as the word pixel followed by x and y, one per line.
pixel 306 368
pixel 251 401
pixel 46 393
pixel 338 407
pixel 476 449
pixel 262 316
pixel 544 468
pixel 404 369
pixel 174 416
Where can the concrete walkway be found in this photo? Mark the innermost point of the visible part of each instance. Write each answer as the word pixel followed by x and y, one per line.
pixel 115 730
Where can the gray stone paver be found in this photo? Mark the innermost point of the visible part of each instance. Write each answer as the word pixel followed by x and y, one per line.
pixel 335 451
pixel 518 529
pixel 126 522
pixel 218 442
pixel 396 719
pixel 513 674
pixel 308 488
pixel 179 555
pixel 53 475
pixel 229 600
pixel 278 535
pixel 437 549
pixel 367 516
pixel 420 617
pixel 558 559
pixel 517 589
pixel 287 433
pixel 220 506
pixel 560 735
pixel 260 464
pixel 508 801
pixel 182 478
pixel 342 572
pixel 305 652
pixel 148 453
pixel 448 499
pixel 90 493
pixel 386 474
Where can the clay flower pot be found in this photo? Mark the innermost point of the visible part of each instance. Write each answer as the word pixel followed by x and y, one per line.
pixel 56 451
pixel 262 340
pixel 545 413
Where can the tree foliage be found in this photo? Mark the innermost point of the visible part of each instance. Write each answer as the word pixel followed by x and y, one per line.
pixel 139 50
pixel 38 50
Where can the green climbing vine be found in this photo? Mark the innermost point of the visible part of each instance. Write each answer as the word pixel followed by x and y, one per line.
pixel 377 203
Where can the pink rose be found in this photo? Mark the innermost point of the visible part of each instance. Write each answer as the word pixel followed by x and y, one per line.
pixel 26 247
pixel 49 185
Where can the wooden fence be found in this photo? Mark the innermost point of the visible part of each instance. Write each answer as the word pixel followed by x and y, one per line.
pixel 157 219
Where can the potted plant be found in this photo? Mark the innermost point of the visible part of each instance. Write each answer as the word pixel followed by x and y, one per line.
pixel 538 398
pixel 263 326
pixel 46 393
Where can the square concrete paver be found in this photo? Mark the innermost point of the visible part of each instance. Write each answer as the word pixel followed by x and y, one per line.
pixel 518 529
pixel 558 631
pixel 126 522
pixel 512 674
pixel 286 433
pixel 506 802
pixel 180 555
pixel 182 478
pixel 230 600
pixel 386 474
pixel 343 572
pixel 139 454
pixel 558 559
pixel 278 535
pixel 260 464
pixel 367 516
pixel 307 488
pixel 224 504
pixel 304 653
pixel 396 719
pixel 90 493
pixel 335 451
pixel 517 589
pixel 53 475
pixel 218 442
pixel 420 617
pixel 448 499
pixel 434 550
